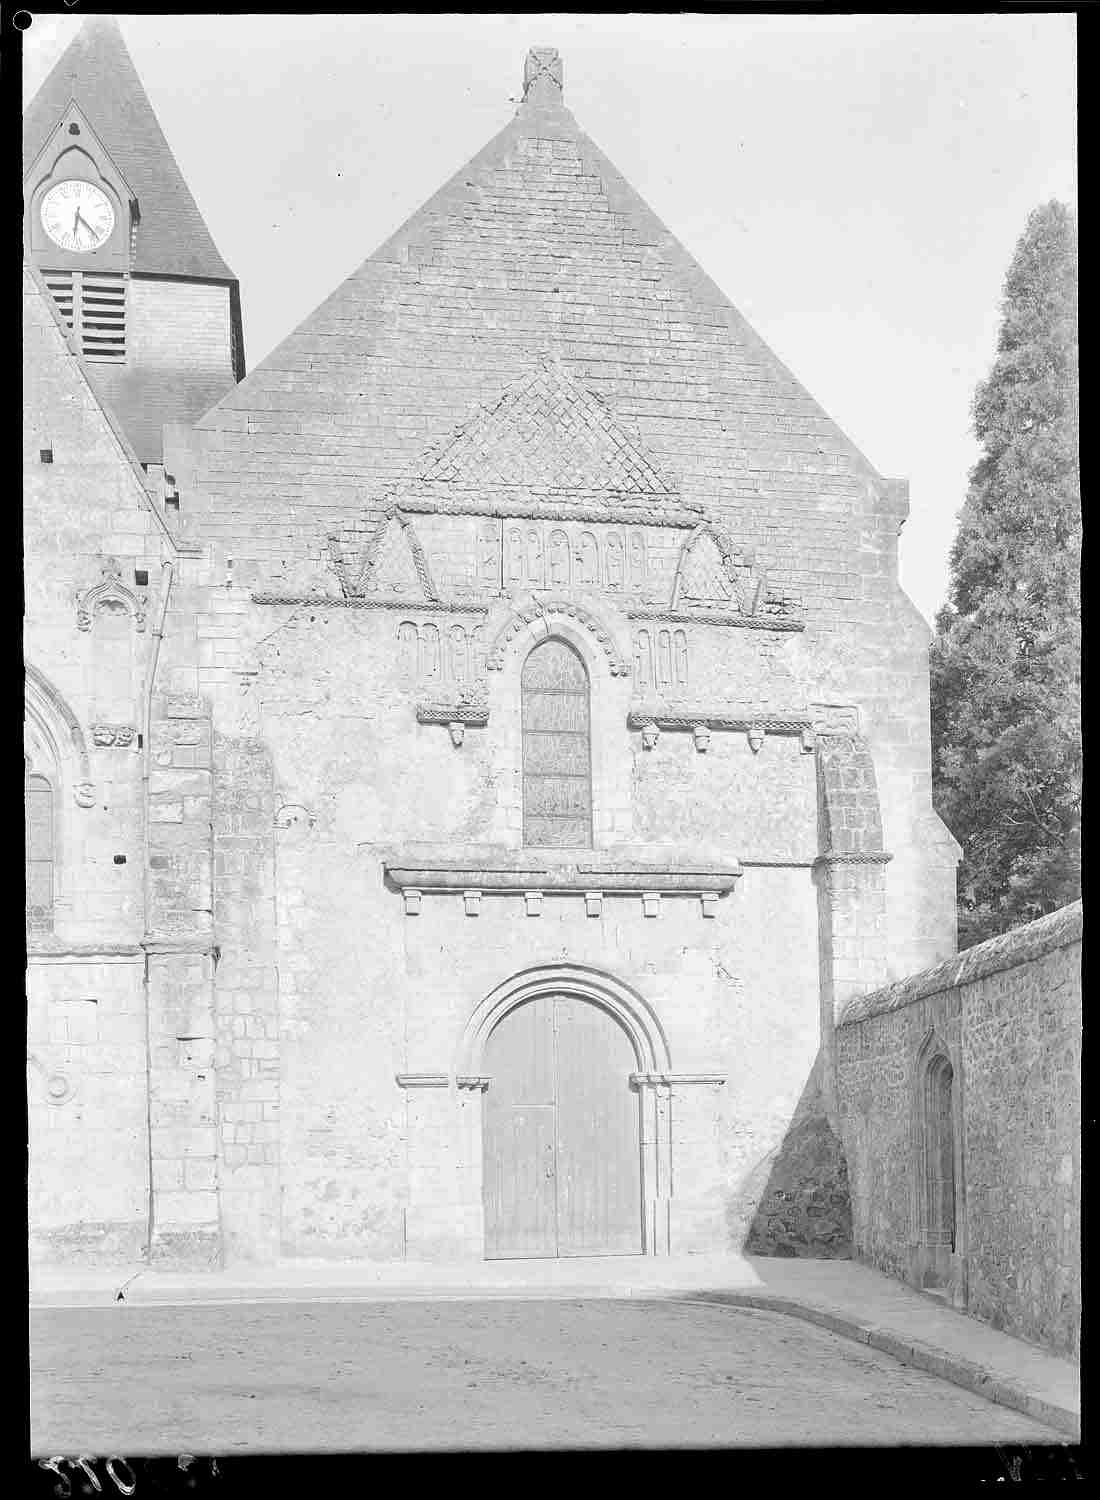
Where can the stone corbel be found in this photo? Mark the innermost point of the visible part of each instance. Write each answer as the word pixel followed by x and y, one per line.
pixel 478 1081
pixel 650 735
pixel 593 903
pixel 412 901
pixel 756 738
pixel 533 901
pixel 471 900
pixel 701 735
pixel 709 901
pixel 651 903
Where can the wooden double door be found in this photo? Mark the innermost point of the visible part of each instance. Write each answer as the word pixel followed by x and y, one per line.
pixel 562 1158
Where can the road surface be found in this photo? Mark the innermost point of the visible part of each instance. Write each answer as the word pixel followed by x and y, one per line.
pixel 498 1374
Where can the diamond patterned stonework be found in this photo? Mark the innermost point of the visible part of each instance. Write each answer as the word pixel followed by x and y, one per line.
pixel 547 434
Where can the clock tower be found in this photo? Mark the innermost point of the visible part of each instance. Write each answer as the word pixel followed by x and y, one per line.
pixel 119 241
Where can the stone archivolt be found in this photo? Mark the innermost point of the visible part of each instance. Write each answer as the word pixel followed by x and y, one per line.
pixel 523 615
pixel 45 707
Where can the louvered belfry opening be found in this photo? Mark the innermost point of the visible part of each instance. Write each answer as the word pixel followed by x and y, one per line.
pixel 93 305
pixel 939 1155
pixel 557 748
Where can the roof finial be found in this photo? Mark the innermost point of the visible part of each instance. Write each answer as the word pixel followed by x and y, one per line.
pixel 542 76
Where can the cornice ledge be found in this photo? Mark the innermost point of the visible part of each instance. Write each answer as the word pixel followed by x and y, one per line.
pixel 422 1080
pixel 511 505
pixel 853 857
pixel 687 716
pixel 505 871
pixel 55 948
pixel 677 1078
pixel 371 601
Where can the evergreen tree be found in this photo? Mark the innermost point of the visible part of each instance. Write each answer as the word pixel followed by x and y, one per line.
pixel 1006 723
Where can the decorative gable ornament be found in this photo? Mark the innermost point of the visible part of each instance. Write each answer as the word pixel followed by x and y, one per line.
pixel 384 557
pixel 714 575
pixel 546 435
pixel 543 76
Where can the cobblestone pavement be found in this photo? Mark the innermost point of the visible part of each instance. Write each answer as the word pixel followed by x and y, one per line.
pixel 352 1377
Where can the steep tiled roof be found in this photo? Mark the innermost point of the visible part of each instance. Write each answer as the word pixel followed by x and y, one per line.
pixel 536 246
pixel 96 70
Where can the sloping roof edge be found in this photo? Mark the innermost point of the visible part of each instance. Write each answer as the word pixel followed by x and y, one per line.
pixel 112 421
pixel 627 200
pixel 1022 945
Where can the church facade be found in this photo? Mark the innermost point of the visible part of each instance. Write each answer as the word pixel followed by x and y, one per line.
pixel 472 757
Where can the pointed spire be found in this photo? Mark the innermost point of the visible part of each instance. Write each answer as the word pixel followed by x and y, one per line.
pixel 97 71
pixel 542 77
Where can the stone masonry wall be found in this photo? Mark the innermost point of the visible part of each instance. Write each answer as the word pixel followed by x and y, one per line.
pixel 93 549
pixel 1009 1014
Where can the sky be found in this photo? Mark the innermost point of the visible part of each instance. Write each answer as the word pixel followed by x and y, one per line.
pixel 856 185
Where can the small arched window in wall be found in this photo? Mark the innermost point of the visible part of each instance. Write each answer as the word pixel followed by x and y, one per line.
pixel 937 1165
pixel 39 818
pixel 557 748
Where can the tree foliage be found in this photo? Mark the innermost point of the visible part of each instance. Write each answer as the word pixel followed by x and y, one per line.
pixel 1006 720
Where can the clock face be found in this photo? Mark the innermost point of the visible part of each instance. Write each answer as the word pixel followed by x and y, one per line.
pixel 77 216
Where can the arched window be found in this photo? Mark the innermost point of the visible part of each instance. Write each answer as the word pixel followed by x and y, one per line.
pixel 937 1193
pixel 557 748
pixel 39 816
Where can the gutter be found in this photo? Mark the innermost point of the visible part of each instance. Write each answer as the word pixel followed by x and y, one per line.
pixel 146 771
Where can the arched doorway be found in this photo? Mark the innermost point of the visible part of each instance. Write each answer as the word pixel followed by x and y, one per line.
pixel 561 1137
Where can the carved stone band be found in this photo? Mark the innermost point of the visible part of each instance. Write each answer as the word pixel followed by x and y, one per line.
pixel 664 616
pixel 374 601
pixel 673 716
pixel 452 713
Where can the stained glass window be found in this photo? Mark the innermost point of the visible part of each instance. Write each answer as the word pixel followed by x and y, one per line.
pixel 557 748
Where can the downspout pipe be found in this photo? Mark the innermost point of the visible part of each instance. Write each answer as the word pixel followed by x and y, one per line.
pixel 147 880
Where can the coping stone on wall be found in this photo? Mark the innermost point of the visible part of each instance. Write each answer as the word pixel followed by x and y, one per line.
pixel 1022 945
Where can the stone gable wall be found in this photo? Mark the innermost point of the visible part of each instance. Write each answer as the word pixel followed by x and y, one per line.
pixel 1009 1013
